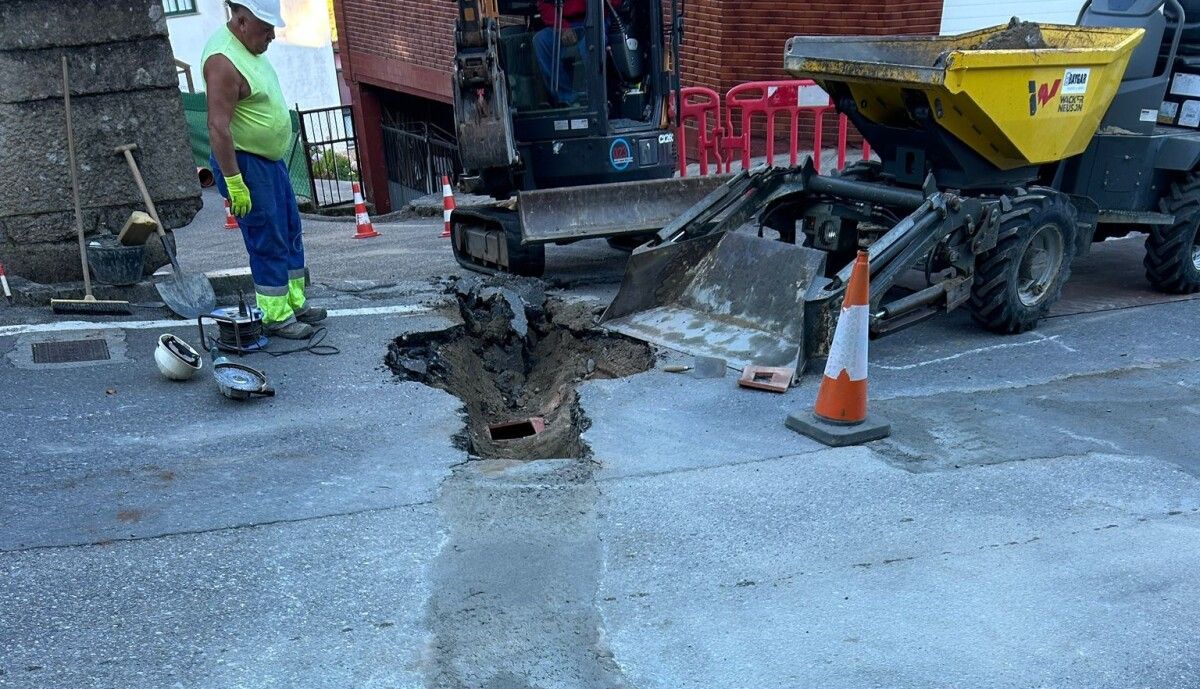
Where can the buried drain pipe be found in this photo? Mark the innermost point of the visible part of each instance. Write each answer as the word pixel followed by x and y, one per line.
pixel 515 430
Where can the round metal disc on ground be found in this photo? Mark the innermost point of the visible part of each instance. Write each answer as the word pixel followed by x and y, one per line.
pixel 238 377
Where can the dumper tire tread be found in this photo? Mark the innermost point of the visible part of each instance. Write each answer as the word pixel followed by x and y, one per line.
pixel 1169 264
pixel 995 303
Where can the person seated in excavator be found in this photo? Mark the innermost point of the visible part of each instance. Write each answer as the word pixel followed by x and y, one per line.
pixel 564 20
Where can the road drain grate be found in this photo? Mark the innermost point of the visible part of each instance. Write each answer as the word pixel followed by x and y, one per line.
pixel 70 351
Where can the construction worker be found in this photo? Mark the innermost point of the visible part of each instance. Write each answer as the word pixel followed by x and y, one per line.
pixel 564 20
pixel 250 129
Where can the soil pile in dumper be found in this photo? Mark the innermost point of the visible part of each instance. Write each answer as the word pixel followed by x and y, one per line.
pixel 1018 35
pixel 518 356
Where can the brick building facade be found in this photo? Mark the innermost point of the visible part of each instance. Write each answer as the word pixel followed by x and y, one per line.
pixel 397 54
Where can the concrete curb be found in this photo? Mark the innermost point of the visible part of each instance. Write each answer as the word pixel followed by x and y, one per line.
pixel 226 283
pixel 431 206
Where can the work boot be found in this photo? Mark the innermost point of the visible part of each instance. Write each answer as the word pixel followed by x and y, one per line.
pixel 291 329
pixel 311 314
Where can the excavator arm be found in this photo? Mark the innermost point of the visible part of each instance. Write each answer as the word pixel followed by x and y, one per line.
pixel 481 107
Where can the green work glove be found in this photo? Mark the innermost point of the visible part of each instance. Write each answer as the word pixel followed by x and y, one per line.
pixel 239 196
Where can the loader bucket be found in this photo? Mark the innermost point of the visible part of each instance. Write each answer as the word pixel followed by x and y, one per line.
pixel 609 210
pixel 729 295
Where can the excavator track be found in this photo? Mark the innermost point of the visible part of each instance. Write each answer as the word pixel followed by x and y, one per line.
pixel 488 240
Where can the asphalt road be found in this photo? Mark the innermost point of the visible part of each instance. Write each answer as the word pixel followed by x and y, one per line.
pixel 1034 520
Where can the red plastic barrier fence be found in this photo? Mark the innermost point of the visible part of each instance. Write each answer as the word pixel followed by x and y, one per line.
pixel 744 103
pixel 702 107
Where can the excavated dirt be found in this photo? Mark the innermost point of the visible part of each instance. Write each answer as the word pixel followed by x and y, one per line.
pixel 518 356
pixel 1018 36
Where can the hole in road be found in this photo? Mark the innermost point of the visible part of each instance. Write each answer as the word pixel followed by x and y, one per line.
pixel 515 363
pixel 511 430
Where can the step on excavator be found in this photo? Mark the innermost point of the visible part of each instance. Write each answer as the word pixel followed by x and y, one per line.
pixel 562 114
pixel 1003 154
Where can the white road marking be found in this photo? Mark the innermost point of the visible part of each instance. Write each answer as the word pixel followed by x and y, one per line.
pixel 907 367
pixel 170 323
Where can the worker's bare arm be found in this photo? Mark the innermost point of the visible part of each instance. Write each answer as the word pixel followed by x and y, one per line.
pixel 226 86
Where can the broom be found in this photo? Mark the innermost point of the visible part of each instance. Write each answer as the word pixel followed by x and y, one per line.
pixel 89 304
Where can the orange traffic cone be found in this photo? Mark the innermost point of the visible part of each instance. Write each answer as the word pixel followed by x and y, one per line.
pixel 363 227
pixel 230 221
pixel 447 205
pixel 840 414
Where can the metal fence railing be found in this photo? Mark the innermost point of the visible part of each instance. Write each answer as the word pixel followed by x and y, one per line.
pixel 331 153
pixel 418 154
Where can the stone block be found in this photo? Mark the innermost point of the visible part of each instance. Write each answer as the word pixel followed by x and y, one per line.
pixel 124 91
pixel 49 262
pixel 59 226
pixel 107 68
pixel 33 151
pixel 35 24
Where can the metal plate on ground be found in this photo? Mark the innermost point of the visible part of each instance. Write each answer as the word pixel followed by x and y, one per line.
pixel 69 351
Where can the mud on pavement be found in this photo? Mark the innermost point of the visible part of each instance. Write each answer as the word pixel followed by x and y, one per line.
pixel 517 359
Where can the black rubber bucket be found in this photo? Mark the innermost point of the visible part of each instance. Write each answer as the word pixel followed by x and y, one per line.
pixel 112 263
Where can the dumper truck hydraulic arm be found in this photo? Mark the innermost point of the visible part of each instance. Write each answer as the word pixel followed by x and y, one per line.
pixel 775 303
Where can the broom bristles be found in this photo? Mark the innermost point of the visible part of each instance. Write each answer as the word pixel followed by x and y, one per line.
pixel 90 306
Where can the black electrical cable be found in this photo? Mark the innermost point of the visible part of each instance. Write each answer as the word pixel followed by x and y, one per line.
pixel 312 346
pixel 232 332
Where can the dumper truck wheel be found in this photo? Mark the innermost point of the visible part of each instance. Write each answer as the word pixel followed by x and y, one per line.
pixel 1173 251
pixel 1017 281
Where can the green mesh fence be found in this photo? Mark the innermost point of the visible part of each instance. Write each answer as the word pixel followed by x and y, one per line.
pixel 195 108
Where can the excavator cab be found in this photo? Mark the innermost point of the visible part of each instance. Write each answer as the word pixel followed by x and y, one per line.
pixel 565 104
pixel 562 93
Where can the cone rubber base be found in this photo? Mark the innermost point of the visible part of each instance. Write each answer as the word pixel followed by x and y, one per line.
pixel 839 435
pixel 366 235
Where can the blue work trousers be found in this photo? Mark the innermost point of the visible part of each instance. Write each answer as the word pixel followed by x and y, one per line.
pixel 271 230
pixel 543 47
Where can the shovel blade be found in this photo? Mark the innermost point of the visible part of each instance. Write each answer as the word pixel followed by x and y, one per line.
pixel 729 295
pixel 189 296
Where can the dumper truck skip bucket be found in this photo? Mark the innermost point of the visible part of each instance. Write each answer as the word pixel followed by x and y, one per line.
pixel 705 289
pixel 1015 107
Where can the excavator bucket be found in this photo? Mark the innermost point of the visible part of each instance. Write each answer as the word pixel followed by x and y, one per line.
pixel 731 295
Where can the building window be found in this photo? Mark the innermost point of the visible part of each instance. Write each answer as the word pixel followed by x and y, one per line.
pixel 174 8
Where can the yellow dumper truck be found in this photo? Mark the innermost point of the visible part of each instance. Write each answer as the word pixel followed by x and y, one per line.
pixel 1003 154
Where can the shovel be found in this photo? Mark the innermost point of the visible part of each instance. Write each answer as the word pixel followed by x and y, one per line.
pixel 189 296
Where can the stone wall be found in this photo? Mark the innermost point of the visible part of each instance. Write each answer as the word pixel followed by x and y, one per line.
pixel 123 90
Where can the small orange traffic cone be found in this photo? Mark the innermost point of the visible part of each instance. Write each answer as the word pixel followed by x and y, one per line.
pixel 447 205
pixel 230 221
pixel 840 414
pixel 363 228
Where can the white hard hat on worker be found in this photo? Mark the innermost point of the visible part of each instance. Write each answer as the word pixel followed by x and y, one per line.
pixel 266 10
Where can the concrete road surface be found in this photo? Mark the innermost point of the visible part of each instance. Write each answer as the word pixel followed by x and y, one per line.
pixel 1034 520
